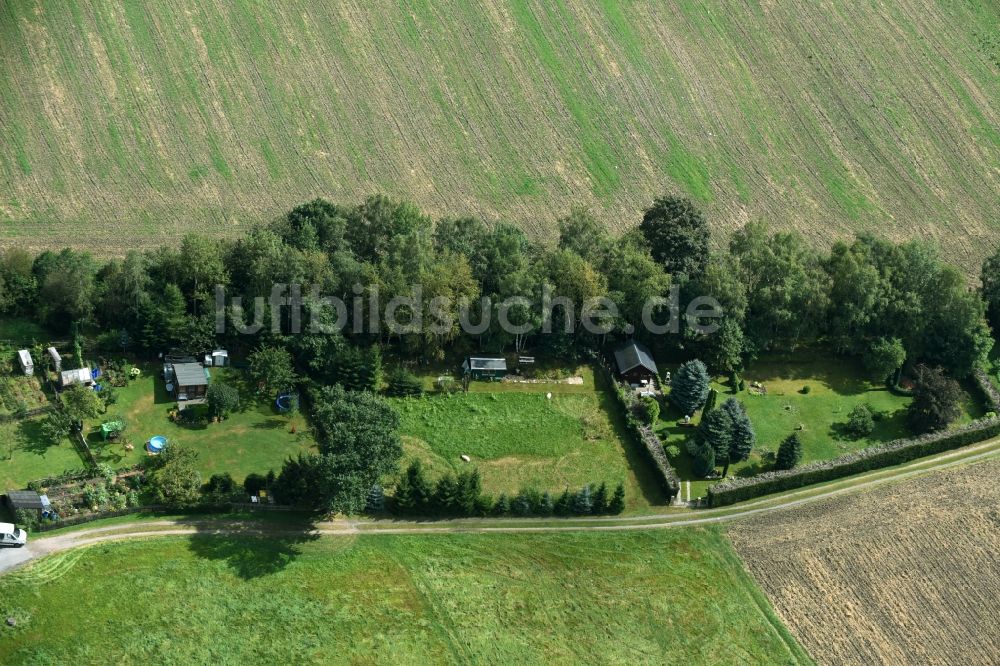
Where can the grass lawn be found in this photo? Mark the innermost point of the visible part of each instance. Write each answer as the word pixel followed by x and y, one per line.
pixel 518 438
pixel 835 388
pixel 670 596
pixel 25 456
pixel 256 439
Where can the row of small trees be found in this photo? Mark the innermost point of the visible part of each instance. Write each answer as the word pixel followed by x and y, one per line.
pixel 462 495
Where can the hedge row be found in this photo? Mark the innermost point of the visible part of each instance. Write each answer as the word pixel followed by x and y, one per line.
pixel 989 390
pixel 882 455
pixel 651 443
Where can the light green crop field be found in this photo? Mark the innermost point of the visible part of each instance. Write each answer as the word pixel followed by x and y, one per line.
pixel 521 440
pixel 677 596
pixel 136 122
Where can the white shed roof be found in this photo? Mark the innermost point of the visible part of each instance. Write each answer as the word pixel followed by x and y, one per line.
pixel 80 375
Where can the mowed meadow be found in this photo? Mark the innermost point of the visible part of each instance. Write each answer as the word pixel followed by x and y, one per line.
pixel 677 596
pixel 131 123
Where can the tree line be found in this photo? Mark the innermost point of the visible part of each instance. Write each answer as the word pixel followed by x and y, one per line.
pixel 882 302
pixel 885 303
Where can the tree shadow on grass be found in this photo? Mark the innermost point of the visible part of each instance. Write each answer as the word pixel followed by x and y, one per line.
pixel 636 458
pixel 105 451
pixel 31 440
pixel 889 426
pixel 270 424
pixel 252 551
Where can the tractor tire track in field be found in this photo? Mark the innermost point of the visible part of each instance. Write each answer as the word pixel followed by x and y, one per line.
pixel 43 546
pixel 140 123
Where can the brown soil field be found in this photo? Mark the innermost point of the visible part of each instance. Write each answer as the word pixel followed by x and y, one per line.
pixel 902 574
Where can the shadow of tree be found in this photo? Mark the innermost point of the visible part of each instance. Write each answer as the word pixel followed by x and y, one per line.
pixel 160 394
pixel 270 424
pixel 104 450
pixel 888 426
pixel 252 551
pixel 30 437
pixel 635 457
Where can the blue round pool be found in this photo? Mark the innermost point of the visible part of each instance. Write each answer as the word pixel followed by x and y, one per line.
pixel 157 443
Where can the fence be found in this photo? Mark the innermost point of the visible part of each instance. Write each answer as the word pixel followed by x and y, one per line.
pixel 46 526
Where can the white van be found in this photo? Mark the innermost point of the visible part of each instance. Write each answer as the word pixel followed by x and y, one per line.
pixel 11 537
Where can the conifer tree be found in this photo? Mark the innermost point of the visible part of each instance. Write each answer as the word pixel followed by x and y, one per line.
pixel 600 499
pixel 564 505
pixel 376 499
pixel 583 504
pixel 446 495
pixel 742 437
pixel 789 452
pixel 546 506
pixel 502 506
pixel 689 388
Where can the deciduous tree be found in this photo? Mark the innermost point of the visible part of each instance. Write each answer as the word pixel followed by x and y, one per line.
pixel 937 400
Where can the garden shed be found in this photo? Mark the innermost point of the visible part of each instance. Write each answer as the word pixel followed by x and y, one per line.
pixel 56 358
pixel 24 359
pixel 79 376
pixel 490 368
pixel 635 363
pixel 190 382
pixel 24 500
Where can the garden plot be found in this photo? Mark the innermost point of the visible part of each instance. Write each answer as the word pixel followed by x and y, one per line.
pixel 522 440
pixel 810 398
pixel 255 438
pixel 25 455
pixel 19 394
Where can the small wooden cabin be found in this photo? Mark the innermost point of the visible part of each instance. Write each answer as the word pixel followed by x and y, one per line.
pixel 488 368
pixel 635 363
pixel 190 382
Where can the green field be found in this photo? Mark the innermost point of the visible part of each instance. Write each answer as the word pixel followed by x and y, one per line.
pixel 520 440
pixel 130 123
pixel 677 596
pixel 255 439
pixel 835 387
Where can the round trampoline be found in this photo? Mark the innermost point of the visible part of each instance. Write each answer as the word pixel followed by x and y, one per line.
pixel 156 444
pixel 284 402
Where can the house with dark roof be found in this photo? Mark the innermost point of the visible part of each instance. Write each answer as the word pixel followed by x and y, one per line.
pixel 26 500
pixel 489 368
pixel 188 382
pixel 634 363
